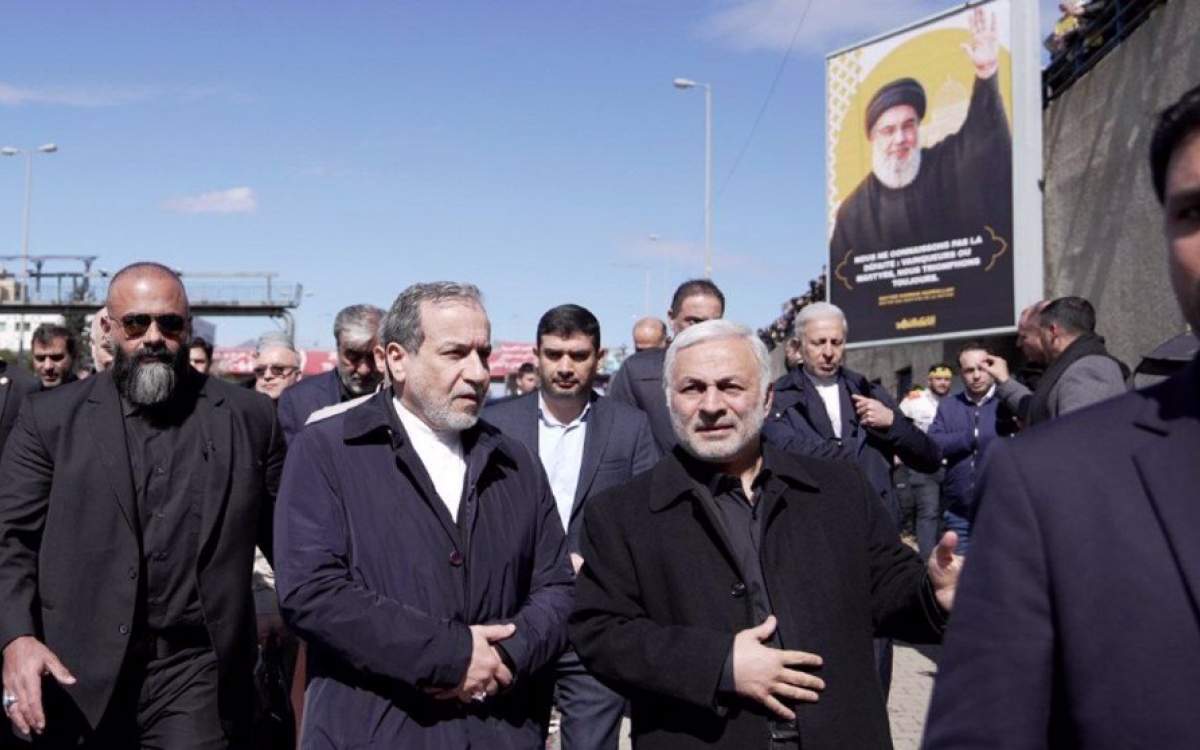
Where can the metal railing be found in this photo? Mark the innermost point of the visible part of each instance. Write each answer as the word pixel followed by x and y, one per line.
pixel 228 293
pixel 1104 25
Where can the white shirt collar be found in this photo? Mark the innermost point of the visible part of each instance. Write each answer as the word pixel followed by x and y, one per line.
pixel 991 392
pixel 546 416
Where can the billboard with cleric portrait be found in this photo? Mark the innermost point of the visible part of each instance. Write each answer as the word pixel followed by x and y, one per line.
pixel 920 141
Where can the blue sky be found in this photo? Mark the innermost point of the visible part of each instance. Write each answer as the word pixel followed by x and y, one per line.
pixel 531 147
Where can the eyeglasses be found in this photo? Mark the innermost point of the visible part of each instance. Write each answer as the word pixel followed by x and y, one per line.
pixel 169 324
pixel 279 371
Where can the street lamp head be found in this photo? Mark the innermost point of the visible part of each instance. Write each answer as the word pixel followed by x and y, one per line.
pixel 683 83
pixel 9 151
pixel 48 148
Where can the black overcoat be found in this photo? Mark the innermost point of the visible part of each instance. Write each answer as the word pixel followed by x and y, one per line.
pixel 70 558
pixel 659 600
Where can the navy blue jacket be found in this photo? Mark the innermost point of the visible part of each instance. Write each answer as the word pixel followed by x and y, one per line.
pixel 617 446
pixel 299 401
pixel 799 423
pixel 1076 622
pixel 963 432
pixel 382 584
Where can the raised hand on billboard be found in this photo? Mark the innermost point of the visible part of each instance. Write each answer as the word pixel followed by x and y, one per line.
pixel 984 47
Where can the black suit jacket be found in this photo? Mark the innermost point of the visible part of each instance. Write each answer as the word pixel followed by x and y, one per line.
pixel 15 385
pixel 298 402
pixel 639 384
pixel 659 600
pixel 1077 620
pixel 618 445
pixel 70 555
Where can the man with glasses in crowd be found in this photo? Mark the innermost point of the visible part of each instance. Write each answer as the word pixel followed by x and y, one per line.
pixel 276 366
pixel 130 506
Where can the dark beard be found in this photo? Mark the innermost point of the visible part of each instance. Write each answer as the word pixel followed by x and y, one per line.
pixel 151 375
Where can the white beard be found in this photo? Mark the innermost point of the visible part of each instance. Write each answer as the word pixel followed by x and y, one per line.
pixel 895 172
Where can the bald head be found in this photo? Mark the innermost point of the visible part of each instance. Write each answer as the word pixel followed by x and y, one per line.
pixel 140 279
pixel 1028 340
pixel 649 333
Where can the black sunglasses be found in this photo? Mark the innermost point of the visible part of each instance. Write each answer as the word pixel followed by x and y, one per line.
pixel 136 324
pixel 279 371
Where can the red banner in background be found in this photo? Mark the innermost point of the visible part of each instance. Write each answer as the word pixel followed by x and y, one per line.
pixel 239 360
pixel 506 357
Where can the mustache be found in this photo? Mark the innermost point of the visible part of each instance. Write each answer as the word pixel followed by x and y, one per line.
pixel 154 353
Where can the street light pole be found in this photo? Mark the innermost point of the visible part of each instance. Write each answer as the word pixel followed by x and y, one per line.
pixel 48 148
pixel 683 84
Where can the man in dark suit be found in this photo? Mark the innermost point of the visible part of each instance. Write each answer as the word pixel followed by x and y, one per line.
pixel 130 504
pixel 639 381
pixel 15 385
pixel 733 590
pixel 1077 622
pixel 356 331
pixel 421 556
pixel 587 444
pixel 826 410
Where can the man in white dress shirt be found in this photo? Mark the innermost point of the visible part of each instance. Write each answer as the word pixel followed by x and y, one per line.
pixel 420 553
pixel 587 443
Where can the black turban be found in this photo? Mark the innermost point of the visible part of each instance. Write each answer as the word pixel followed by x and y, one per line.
pixel 901 91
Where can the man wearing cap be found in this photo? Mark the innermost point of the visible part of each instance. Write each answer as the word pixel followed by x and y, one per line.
pixel 957 188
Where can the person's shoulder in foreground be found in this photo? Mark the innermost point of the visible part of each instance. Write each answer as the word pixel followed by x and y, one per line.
pixel 1073 623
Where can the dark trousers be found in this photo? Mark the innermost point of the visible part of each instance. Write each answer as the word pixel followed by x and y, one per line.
pixel 591 712
pixel 926 490
pixel 920 500
pixel 167 703
pixel 883 664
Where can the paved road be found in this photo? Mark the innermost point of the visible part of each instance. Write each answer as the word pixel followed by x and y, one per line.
pixel 912 685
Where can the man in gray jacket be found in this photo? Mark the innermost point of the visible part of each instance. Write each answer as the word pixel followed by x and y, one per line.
pixel 1080 370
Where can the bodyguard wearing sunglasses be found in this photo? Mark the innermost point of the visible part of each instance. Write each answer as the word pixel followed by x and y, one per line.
pixel 130 506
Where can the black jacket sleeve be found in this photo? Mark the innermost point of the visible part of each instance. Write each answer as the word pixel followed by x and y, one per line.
pixel 25 475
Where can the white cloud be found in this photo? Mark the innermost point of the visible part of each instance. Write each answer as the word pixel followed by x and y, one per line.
pixel 751 25
pixel 15 96
pixel 238 200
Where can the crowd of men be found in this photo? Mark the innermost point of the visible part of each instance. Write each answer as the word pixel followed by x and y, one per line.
pixel 712 552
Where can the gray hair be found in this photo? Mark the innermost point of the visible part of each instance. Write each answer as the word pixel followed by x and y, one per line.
pixel 713 330
pixel 358 323
pixel 274 340
pixel 402 325
pixel 818 311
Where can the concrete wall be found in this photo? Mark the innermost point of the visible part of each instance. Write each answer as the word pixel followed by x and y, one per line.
pixel 1103 236
pixel 1103 225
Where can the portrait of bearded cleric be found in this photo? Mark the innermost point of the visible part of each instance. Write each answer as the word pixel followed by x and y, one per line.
pixel 955 192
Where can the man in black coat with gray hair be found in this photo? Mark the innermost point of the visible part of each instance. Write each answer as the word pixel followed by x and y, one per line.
pixel 732 592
